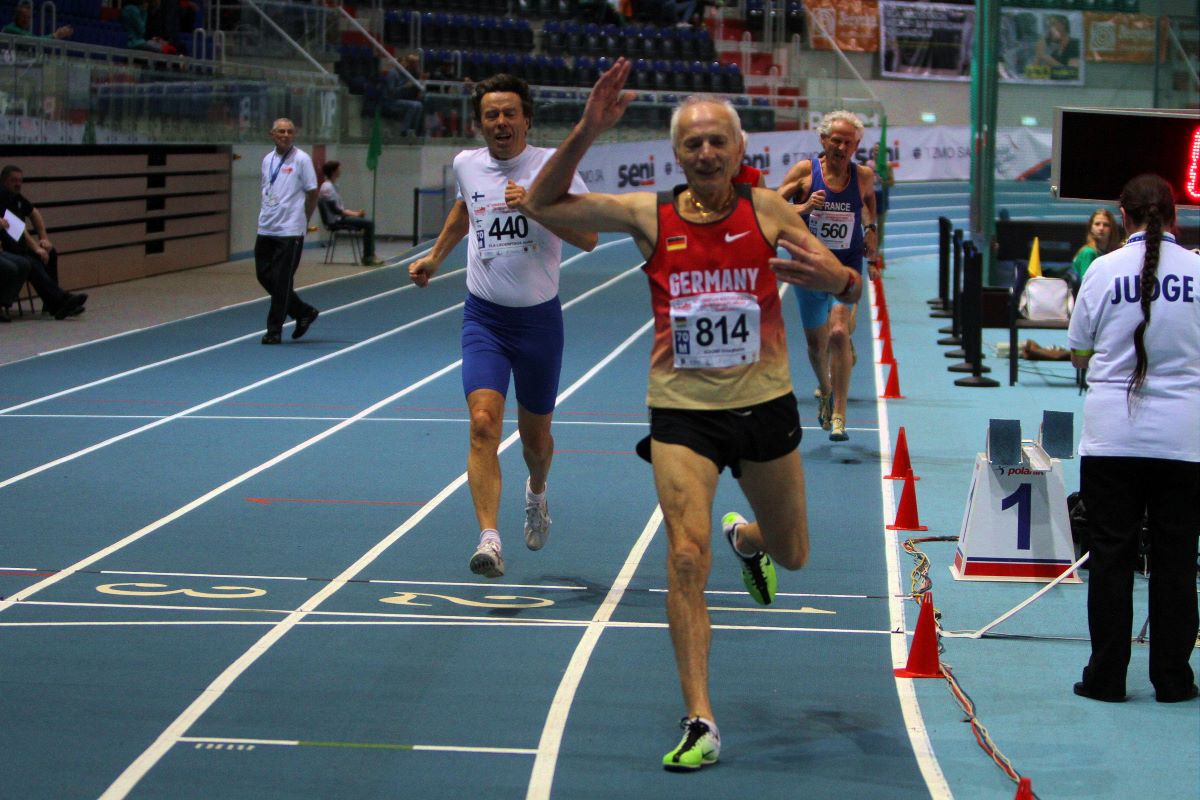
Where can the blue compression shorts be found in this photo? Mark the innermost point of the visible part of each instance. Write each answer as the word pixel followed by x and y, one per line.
pixel 526 342
pixel 815 306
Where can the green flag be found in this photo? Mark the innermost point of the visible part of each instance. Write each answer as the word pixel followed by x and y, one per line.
pixel 376 147
pixel 883 167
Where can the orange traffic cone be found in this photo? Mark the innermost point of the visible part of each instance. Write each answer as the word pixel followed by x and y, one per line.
pixel 923 654
pixel 886 357
pixel 1024 790
pixel 901 466
pixel 907 518
pixel 892 390
pixel 885 329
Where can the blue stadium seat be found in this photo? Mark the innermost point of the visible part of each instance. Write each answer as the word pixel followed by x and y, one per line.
pixel 585 73
pixel 553 37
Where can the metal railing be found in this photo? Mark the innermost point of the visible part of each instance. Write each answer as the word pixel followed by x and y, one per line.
pixel 56 91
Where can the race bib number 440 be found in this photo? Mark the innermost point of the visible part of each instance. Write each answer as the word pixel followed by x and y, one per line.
pixel 503 232
pixel 834 228
pixel 715 330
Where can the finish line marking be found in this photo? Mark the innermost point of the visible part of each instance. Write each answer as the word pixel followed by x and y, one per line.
pixel 249 744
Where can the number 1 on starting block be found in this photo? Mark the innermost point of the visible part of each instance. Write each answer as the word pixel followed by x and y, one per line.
pixel 1015 526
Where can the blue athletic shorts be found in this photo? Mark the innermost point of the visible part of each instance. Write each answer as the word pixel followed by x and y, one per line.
pixel 815 306
pixel 526 342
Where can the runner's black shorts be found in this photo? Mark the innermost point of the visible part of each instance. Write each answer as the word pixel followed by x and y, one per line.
pixel 762 432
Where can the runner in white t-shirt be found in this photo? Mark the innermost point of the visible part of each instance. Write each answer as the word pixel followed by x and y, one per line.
pixel 289 196
pixel 512 319
pixel 1136 328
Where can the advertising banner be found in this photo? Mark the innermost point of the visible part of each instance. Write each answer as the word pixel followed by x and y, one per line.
pixel 1040 46
pixel 1124 38
pixel 933 41
pixel 852 24
pixel 916 153
pixel 929 41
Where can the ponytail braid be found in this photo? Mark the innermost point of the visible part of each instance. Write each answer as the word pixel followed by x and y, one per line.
pixel 1148 282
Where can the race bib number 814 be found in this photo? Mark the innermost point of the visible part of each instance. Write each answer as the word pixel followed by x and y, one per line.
pixel 715 330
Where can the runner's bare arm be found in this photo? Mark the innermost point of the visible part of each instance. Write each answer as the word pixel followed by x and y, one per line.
pixel 457 225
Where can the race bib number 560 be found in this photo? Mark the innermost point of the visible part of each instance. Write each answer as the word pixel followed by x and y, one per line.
pixel 834 228
pixel 715 330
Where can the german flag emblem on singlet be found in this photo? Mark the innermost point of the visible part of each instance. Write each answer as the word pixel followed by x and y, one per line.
pixel 676 243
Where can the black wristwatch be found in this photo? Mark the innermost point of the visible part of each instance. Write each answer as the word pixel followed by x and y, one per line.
pixel 870 226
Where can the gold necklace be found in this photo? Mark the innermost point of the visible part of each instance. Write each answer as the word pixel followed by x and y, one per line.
pixel 708 212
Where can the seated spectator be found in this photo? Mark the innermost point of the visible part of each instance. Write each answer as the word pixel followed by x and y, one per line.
pixel 35 248
pixel 352 217
pixel 1102 237
pixel 401 98
pixel 133 20
pixel 157 28
pixel 14 272
pixel 22 24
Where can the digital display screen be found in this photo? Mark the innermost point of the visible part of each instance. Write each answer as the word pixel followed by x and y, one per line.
pixel 1096 151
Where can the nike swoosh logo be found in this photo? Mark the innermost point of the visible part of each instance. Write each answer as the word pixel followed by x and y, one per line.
pixel 733 237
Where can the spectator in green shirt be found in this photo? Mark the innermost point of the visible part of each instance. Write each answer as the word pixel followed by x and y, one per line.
pixel 1101 238
pixel 22 25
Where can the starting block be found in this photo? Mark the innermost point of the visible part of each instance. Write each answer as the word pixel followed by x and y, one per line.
pixel 1015 526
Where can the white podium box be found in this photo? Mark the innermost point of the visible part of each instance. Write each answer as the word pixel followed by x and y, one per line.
pixel 1015 526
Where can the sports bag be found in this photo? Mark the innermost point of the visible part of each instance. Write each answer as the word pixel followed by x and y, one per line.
pixel 1046 299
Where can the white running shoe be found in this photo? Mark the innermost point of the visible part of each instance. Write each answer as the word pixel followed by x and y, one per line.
pixel 486 560
pixel 537 521
pixel 824 409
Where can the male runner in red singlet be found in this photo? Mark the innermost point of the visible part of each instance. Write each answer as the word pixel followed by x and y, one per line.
pixel 720 391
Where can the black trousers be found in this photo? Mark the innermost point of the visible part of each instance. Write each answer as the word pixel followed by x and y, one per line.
pixel 367 226
pixel 1117 492
pixel 14 270
pixel 275 261
pixel 43 282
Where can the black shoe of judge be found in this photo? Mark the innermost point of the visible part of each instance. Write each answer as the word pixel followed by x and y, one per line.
pixel 303 322
pixel 271 337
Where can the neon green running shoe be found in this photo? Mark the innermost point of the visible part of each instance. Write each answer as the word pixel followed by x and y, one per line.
pixel 758 571
pixel 699 747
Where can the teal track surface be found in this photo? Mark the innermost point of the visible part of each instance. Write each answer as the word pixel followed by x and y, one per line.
pixel 241 572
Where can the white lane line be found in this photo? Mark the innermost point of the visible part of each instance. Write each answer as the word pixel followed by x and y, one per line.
pixel 542 776
pixel 86 562
pixel 299 367
pixel 433 748
pixel 910 708
pixel 331 418
pixel 250 387
pixel 201 351
pixel 424 249
pixel 438 622
pixel 133 773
